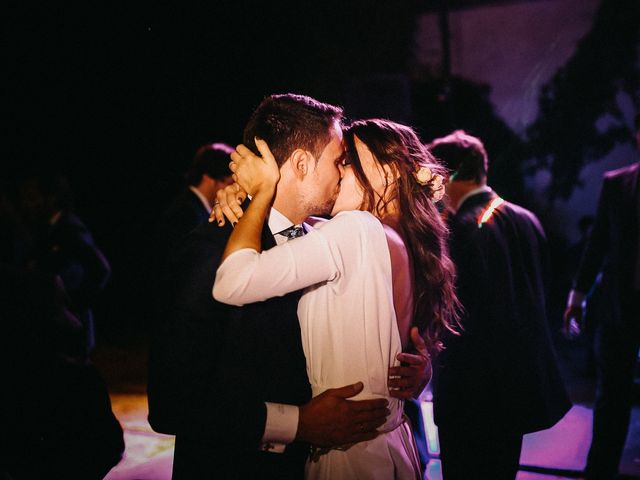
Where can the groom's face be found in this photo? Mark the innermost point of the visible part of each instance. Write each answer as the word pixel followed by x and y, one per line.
pixel 322 184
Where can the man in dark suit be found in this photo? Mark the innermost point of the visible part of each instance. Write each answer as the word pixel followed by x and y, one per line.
pixel 231 383
pixel 64 246
pixel 499 378
pixel 208 172
pixel 56 415
pixel 613 250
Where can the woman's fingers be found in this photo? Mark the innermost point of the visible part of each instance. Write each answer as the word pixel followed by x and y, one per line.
pixel 243 152
pixel 264 150
pixel 271 171
pixel 216 214
pixel 227 204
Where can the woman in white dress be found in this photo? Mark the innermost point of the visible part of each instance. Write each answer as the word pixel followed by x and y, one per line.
pixel 377 268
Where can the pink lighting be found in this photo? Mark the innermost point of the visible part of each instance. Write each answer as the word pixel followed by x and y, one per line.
pixel 488 213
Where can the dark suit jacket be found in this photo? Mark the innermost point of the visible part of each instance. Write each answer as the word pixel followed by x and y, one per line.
pixel 67 249
pixel 213 366
pixel 501 373
pixel 613 247
pixel 184 213
pixel 57 422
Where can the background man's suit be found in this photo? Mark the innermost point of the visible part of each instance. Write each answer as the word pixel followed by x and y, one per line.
pixel 56 414
pixel 213 366
pixel 613 250
pixel 67 249
pixel 184 213
pixel 500 376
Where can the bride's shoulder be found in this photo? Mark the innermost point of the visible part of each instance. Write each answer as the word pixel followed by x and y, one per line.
pixel 314 221
pixel 358 215
pixel 352 221
pixel 357 218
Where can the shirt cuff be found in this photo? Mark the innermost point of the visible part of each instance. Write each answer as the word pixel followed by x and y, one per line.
pixel 576 299
pixel 281 427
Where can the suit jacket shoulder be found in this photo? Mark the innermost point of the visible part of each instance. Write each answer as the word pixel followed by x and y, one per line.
pixel 632 169
pixel 613 236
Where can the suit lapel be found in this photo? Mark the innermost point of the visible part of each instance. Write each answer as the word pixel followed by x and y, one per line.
pixel 268 241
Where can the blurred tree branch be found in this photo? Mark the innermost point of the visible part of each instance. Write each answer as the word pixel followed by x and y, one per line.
pixel 566 136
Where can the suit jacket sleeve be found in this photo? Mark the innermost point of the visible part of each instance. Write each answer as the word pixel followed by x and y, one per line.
pixel 86 270
pixel 596 248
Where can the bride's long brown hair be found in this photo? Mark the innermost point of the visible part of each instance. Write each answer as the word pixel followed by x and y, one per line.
pixel 436 306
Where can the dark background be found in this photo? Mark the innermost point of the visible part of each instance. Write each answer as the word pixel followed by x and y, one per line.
pixel 119 97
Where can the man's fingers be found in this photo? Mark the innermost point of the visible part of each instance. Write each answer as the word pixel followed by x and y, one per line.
pixel 373 418
pixel 571 322
pixel 403 382
pixel 347 391
pixel 411 359
pixel 368 426
pixel 418 342
pixel 403 372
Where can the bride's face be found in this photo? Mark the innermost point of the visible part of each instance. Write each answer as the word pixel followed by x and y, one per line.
pixel 351 196
pixel 351 193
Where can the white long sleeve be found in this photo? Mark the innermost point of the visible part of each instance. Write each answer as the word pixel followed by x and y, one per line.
pixel 322 255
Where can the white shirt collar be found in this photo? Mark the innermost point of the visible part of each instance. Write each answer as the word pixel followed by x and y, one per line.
pixel 476 191
pixel 278 222
pixel 203 199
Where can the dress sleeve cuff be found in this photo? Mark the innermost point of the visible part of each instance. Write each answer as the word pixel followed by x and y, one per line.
pixel 576 299
pixel 281 427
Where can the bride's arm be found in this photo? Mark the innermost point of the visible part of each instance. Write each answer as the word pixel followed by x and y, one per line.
pixel 323 255
pixel 247 276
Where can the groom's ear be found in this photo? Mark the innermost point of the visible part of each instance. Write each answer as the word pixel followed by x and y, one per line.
pixel 300 162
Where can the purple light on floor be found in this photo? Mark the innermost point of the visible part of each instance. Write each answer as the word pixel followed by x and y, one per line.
pixel 433 470
pixel 431 430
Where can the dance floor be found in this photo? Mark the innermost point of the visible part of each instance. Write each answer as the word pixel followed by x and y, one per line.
pixel 557 453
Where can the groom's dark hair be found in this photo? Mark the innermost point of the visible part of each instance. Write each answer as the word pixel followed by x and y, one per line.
pixel 289 121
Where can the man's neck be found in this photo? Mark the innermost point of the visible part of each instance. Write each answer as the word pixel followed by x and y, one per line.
pixel 459 191
pixel 290 208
